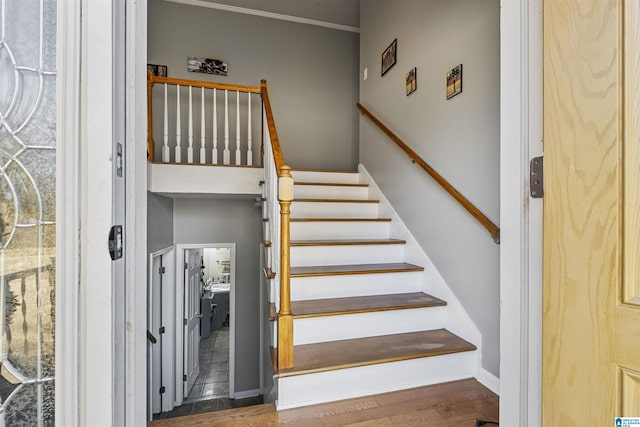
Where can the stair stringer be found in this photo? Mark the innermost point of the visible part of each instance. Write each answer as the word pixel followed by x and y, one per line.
pixel 456 318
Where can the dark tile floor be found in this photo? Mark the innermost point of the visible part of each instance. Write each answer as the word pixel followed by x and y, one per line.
pixel 213 380
pixel 211 390
pixel 205 406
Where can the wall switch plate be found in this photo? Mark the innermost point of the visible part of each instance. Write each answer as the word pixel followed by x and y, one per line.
pixel 364 74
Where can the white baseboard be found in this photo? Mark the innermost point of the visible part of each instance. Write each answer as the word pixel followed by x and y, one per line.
pixel 246 393
pixel 489 380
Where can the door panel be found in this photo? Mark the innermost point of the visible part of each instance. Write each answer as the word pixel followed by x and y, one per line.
pixel 591 317
pixel 192 315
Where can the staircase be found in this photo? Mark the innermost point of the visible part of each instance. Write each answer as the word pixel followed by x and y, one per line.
pixel 362 321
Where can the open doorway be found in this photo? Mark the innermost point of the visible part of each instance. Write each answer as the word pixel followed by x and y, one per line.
pixel 212 381
pixel 205 341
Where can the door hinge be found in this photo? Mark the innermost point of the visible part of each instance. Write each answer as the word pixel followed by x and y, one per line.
pixel 185 322
pixel 119 162
pixel 161 330
pixel 162 390
pixel 536 177
pixel 116 246
pixel 186 266
pixel 184 378
pixel 161 270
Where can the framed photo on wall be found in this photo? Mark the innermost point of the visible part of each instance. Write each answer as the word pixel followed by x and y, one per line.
pixel 454 82
pixel 412 81
pixel 389 57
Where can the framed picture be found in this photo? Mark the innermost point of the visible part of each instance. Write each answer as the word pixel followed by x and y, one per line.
pixel 157 70
pixel 389 57
pixel 196 64
pixel 411 81
pixel 454 82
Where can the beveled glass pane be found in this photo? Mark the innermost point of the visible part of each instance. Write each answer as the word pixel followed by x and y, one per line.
pixel 27 211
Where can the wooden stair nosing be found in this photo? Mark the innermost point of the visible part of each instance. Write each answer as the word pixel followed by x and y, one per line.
pixel 352 353
pixel 324 170
pixel 325 219
pixel 336 270
pixel 347 242
pixel 336 201
pixel 329 184
pixel 356 305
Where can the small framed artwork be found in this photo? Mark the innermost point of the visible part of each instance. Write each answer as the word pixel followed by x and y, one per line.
pixel 197 64
pixel 412 81
pixel 157 70
pixel 454 82
pixel 389 57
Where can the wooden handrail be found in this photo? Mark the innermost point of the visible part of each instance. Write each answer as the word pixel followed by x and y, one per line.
pixel 285 196
pixel 470 207
pixel 198 83
pixel 271 125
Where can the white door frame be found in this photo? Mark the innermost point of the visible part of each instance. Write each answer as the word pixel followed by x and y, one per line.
pixel 180 248
pixel 84 333
pixel 520 215
pixel 168 314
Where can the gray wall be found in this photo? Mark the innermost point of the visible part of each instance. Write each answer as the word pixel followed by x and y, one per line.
pixel 231 221
pixel 159 222
pixel 312 73
pixel 458 137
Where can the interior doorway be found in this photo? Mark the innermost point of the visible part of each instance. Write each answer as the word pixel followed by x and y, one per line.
pixel 211 299
pixel 212 380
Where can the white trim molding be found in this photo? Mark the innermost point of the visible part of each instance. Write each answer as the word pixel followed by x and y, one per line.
pixel 488 380
pixel 520 215
pixel 266 14
pixel 247 393
pixel 67 208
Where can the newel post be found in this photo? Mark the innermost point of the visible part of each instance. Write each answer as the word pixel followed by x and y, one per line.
pixel 285 321
pixel 150 148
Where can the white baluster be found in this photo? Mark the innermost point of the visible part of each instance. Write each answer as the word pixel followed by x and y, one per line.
pixel 249 152
pixel 238 154
pixel 178 131
pixel 226 155
pixel 165 147
pixel 190 149
pixel 214 153
pixel 203 152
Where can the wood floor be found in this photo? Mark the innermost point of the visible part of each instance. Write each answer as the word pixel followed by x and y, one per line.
pixel 457 403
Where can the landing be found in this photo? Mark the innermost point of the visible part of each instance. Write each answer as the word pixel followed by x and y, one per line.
pixel 178 180
pixel 453 403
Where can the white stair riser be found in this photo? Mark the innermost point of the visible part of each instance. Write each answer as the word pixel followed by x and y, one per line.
pixel 302 390
pixel 354 285
pixel 330 177
pixel 346 254
pixel 330 192
pixel 339 230
pixel 333 210
pixel 348 326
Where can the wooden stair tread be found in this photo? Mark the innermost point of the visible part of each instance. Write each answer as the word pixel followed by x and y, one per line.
pixel 336 200
pixel 330 270
pixel 323 170
pixel 343 354
pixel 329 184
pixel 347 242
pixel 361 304
pixel 340 220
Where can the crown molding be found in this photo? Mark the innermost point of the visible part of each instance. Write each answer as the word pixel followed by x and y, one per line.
pixel 266 14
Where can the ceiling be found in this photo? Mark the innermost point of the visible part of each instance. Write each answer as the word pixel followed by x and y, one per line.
pixel 342 12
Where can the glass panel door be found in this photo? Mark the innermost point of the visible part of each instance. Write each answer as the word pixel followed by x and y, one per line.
pixel 27 211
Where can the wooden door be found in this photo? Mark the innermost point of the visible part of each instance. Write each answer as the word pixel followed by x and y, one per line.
pixel 591 294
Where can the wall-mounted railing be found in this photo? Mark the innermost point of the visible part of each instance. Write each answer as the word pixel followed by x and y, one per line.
pixel 470 207
pixel 278 194
pixel 202 122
